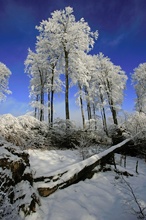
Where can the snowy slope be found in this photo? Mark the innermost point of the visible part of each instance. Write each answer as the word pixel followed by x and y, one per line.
pixel 101 198
pixel 43 161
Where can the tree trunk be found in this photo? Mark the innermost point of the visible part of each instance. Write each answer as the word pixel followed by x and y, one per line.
pixel 66 86
pixel 52 107
pixel 42 105
pixel 82 109
pixel 41 96
pixel 111 103
pixel 94 114
pixel 103 115
pixel 76 172
pixel 88 104
pixel 49 113
pixel 36 108
pixel 89 110
pixel 52 95
pixel 114 113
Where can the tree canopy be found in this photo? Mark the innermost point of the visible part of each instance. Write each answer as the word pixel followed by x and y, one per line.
pixel 4 77
pixel 62 48
pixel 139 81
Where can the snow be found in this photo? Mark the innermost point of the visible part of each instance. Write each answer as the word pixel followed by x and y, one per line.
pixel 100 198
pixel 104 197
pixel 69 171
pixel 25 131
pixel 51 161
pixel 4 152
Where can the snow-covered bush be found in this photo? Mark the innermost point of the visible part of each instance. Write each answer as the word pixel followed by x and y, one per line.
pixel 63 133
pixel 112 129
pixel 25 131
pixel 83 146
pixel 63 125
pixel 96 132
pixel 136 126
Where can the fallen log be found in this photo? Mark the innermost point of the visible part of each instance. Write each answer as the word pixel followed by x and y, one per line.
pixel 65 177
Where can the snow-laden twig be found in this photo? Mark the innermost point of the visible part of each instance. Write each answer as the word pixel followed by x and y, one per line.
pixel 130 191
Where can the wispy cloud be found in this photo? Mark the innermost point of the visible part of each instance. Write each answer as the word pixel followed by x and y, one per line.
pixel 116 20
pixel 14 107
pixel 13 10
pixel 117 40
pixel 123 33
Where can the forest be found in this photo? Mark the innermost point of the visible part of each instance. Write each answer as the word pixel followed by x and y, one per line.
pixel 43 158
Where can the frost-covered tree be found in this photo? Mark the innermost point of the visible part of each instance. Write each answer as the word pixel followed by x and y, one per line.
pixel 36 67
pixel 83 69
pixel 71 37
pixel 101 85
pixel 41 67
pixel 62 48
pixel 139 81
pixel 110 86
pixel 136 124
pixel 4 77
pixel 50 49
pixel 97 93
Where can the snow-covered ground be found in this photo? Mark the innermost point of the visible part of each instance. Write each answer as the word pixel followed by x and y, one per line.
pixel 43 161
pixel 103 197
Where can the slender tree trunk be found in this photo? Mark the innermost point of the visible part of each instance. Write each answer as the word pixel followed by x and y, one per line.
pixel 52 95
pixel 36 108
pixel 88 104
pixel 67 86
pixel 114 113
pixel 94 115
pixel 139 104
pixel 103 114
pixel 52 107
pixel 42 105
pixel 89 110
pixel 82 109
pixel 41 96
pixel 49 119
pixel 111 103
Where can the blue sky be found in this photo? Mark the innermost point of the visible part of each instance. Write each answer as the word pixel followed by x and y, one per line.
pixel 122 37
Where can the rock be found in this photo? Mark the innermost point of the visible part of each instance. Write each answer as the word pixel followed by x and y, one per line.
pixel 15 173
pixel 46 191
